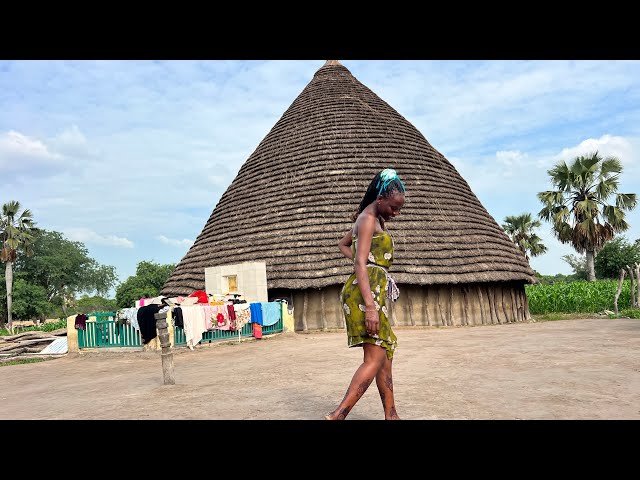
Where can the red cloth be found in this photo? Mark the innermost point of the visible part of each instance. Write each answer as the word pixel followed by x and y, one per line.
pixel 202 296
pixel 257 330
pixel 81 321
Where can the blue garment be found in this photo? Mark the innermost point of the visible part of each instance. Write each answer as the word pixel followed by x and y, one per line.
pixel 271 313
pixel 256 313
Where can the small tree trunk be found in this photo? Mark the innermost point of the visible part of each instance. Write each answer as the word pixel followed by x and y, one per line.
pixel 591 272
pixel 64 301
pixel 615 299
pixel 632 291
pixel 9 282
pixel 638 285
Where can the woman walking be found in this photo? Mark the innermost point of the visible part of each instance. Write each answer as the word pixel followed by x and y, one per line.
pixel 363 296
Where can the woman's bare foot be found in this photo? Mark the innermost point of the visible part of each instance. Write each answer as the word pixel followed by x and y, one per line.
pixel 337 415
pixel 393 415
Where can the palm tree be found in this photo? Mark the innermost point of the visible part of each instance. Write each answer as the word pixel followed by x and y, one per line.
pixel 578 207
pixel 16 233
pixel 520 230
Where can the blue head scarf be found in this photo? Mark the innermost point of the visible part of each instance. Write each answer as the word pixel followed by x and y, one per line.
pixel 387 176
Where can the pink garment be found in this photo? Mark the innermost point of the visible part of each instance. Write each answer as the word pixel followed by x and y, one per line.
pixel 209 313
pixel 225 325
pixel 143 300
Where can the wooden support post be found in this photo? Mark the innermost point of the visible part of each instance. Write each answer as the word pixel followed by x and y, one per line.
pixel 631 289
pixel 480 299
pixel 322 311
pixel 410 306
pixel 615 299
pixel 304 310
pixel 167 352
pixel 425 305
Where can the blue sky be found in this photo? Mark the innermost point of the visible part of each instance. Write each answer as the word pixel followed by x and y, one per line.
pixel 130 157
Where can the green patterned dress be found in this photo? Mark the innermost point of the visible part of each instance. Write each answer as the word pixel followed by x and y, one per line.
pixel 353 305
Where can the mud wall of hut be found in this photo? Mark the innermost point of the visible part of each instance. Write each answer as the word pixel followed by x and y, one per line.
pixel 434 305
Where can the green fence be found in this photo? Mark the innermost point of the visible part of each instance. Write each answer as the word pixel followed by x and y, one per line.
pixel 107 332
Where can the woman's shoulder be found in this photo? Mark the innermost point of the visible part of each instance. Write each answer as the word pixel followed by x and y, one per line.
pixel 365 218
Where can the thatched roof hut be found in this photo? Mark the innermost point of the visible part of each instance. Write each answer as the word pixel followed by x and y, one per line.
pixel 292 200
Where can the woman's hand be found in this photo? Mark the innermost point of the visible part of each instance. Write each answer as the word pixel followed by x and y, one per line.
pixel 372 320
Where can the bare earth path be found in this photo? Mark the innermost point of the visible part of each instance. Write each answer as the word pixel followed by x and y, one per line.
pixel 569 369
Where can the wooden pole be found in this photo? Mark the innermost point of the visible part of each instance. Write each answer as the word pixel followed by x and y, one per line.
pixel 304 310
pixel 167 352
pixel 638 285
pixel 322 310
pixel 632 291
pixel 425 305
pixel 615 299
pixel 482 317
pixel 410 306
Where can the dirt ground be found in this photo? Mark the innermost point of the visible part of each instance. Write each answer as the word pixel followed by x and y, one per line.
pixel 568 369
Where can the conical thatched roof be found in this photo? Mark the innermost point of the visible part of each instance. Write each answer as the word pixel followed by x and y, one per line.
pixel 292 200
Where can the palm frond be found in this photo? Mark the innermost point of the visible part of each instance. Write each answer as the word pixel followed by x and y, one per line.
pixel 626 201
pixel 610 165
pixel 605 188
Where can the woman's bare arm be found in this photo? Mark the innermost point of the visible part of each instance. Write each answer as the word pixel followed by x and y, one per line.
pixel 345 245
pixel 366 228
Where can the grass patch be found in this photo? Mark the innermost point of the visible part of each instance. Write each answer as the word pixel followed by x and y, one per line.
pixel 43 327
pixel 627 313
pixel 19 361
pixel 549 317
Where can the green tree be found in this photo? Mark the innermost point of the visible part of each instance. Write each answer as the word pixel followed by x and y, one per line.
pixel 579 265
pixel 520 230
pixel 64 269
pixel 578 207
pixel 149 279
pixel 16 235
pixel 615 255
pixel 96 303
pixel 29 301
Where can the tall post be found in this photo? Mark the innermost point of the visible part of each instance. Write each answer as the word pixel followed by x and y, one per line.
pixel 167 352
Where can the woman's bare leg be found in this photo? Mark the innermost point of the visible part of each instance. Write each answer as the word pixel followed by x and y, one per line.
pixel 384 381
pixel 374 360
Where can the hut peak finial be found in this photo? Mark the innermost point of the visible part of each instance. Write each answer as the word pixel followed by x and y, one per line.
pixel 332 62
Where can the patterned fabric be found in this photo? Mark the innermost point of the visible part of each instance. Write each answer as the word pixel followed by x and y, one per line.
pixel 381 254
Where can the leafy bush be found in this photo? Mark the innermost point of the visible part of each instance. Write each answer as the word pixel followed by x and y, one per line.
pixel 630 312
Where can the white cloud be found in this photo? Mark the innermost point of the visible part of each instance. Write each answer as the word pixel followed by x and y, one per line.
pixel 21 154
pixel 607 145
pixel 72 142
pixel 86 235
pixel 185 242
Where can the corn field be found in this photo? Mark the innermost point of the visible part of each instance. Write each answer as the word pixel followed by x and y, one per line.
pixel 577 297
